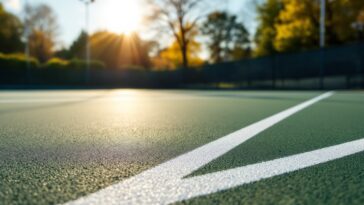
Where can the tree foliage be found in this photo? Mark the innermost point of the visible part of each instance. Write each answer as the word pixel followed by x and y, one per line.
pixel 298 26
pixel 11 30
pixel 268 17
pixel 170 58
pixel 293 25
pixel 119 51
pixel 116 51
pixel 42 18
pixel 341 17
pixel 40 46
pixel 42 30
pixel 228 38
pixel 78 47
pixel 176 17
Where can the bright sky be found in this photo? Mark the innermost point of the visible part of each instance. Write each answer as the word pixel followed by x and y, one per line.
pixel 125 14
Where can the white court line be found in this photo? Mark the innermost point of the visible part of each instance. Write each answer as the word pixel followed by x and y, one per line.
pixel 165 184
pixel 211 183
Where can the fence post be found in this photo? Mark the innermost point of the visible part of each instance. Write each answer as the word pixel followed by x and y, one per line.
pixel 362 78
pixel 273 67
pixel 28 73
pixel 361 73
pixel 360 65
pixel 322 69
pixel 248 75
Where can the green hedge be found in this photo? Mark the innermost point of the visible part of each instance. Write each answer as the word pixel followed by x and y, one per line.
pixel 16 61
pixel 57 63
pixel 81 64
pixel 19 62
pixel 14 69
pixel 59 71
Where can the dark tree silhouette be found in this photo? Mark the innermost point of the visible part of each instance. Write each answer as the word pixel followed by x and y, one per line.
pixel 41 23
pixel 11 30
pixel 226 35
pixel 179 18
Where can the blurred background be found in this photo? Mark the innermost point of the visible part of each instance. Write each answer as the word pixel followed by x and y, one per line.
pixel 197 44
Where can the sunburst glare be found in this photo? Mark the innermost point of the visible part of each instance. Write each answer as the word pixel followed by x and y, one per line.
pixel 121 16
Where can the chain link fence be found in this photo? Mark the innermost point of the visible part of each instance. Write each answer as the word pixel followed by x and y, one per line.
pixel 337 67
pixel 330 68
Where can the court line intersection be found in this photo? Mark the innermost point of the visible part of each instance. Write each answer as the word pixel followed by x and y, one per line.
pixel 166 184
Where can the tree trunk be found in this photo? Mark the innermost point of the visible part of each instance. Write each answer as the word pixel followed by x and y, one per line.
pixel 184 56
pixel 184 44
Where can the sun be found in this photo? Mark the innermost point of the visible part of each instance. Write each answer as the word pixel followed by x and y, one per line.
pixel 121 16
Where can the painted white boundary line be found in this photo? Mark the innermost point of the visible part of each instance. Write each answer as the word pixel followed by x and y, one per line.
pixel 223 180
pixel 165 184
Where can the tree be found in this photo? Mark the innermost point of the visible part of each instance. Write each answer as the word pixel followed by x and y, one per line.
pixel 118 51
pixel 78 47
pixel 268 16
pixel 170 58
pixel 293 25
pixel 176 16
pixel 43 28
pixel 298 26
pixel 228 38
pixel 342 14
pixel 11 30
pixel 40 46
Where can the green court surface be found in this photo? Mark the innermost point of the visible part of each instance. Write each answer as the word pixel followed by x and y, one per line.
pixel 57 146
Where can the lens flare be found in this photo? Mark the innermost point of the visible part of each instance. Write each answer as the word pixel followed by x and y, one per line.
pixel 121 16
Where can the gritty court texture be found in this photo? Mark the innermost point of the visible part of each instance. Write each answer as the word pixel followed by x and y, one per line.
pixel 181 147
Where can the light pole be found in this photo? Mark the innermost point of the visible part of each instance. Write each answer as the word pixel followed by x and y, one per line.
pixel 323 23
pixel 88 49
pixel 322 42
pixel 26 36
